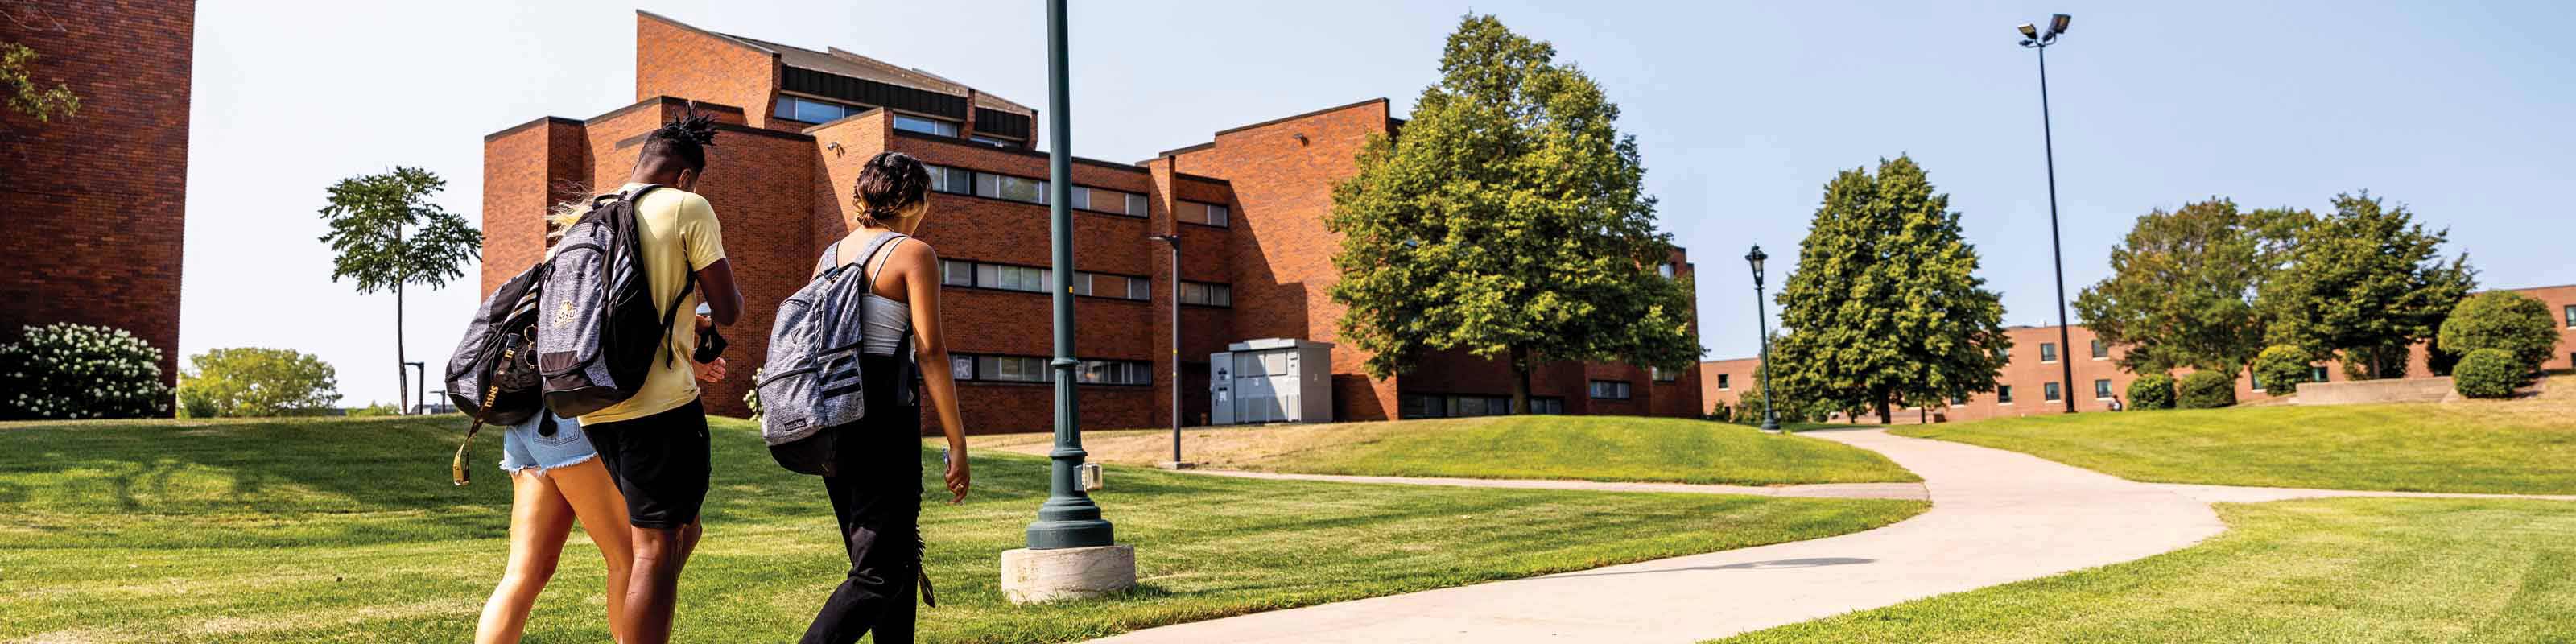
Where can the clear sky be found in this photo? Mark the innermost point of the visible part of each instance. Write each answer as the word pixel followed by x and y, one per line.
pixel 1742 110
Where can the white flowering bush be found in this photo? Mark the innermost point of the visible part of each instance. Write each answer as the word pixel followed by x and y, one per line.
pixel 81 371
pixel 751 397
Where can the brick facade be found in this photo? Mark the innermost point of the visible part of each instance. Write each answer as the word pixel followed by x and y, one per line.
pixel 781 187
pixel 96 202
pixel 2029 374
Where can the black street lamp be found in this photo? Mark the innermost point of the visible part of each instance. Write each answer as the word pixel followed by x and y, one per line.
pixel 2033 39
pixel 1762 313
pixel 1068 519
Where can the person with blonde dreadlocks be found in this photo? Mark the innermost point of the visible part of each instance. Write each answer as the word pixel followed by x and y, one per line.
pixel 655 443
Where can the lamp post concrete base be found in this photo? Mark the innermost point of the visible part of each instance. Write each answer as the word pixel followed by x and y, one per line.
pixel 1031 576
pixel 1177 465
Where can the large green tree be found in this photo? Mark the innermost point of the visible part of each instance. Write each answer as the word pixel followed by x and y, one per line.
pixel 2181 290
pixel 1885 306
pixel 2361 285
pixel 1508 220
pixel 389 234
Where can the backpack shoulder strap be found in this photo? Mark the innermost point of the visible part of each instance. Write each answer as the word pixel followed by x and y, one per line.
pixel 879 245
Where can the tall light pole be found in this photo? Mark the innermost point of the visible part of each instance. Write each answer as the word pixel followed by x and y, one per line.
pixel 1175 242
pixel 1068 519
pixel 1762 313
pixel 2032 38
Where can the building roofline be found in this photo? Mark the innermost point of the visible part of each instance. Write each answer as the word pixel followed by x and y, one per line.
pixel 1200 177
pixel 719 36
pixel 1276 121
pixel 488 138
pixel 1129 167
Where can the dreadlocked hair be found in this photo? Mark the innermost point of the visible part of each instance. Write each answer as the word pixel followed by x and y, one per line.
pixel 686 138
pixel 891 184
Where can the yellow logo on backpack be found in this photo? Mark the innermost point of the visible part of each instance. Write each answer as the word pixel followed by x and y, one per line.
pixel 563 315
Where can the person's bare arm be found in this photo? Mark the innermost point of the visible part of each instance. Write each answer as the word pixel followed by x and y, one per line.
pixel 919 267
pixel 724 302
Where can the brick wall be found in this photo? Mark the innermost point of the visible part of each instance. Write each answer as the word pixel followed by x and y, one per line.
pixel 673 59
pixel 96 202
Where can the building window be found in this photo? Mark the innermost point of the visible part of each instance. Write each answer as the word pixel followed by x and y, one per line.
pixel 1114 372
pixel 2316 373
pixel 1610 390
pixel 1207 294
pixel 1958 401
pixel 1005 277
pixel 1460 406
pixel 1109 201
pixel 2003 394
pixel 1115 286
pixel 2101 351
pixel 798 108
pixel 991 368
pixel 1664 269
pixel 954 181
pixel 2570 315
pixel 2049 392
pixel 2047 352
pixel 1660 375
pixel 924 125
pixel 956 273
pixel 1003 186
pixel 2102 389
pixel 1722 383
pixel 1549 405
pixel 1201 213
pixel 1010 369
pixel 1011 278
pixel 999 143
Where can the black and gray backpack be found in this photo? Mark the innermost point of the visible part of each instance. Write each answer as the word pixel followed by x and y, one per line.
pixel 599 329
pixel 811 386
pixel 493 375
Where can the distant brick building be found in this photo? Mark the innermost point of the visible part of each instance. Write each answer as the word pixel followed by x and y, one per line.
pixel 95 203
pixel 1248 206
pixel 2030 382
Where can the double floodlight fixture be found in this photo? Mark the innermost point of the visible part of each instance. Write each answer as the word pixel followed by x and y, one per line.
pixel 2031 36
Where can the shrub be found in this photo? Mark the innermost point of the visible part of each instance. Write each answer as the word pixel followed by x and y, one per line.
pixel 81 371
pixel 2206 390
pixel 2152 391
pixel 250 381
pixel 751 395
pixel 2280 368
pixel 2510 322
pixel 2489 373
pixel 378 409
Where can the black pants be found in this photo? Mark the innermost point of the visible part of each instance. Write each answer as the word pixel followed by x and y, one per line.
pixel 877 498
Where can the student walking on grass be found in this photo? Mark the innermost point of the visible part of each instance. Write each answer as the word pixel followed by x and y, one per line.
pixel 654 444
pixel 876 493
pixel 555 479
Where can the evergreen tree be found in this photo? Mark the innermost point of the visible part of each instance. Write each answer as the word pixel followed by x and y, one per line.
pixel 1885 307
pixel 1509 220
pixel 2362 285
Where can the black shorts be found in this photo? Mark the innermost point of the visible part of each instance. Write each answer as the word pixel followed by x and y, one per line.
pixel 660 462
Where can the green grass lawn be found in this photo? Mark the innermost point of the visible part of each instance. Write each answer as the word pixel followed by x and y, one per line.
pixel 1597 448
pixel 348 530
pixel 2517 447
pixel 2344 570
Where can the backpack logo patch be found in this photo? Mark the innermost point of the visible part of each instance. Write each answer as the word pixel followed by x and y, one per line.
pixel 563 315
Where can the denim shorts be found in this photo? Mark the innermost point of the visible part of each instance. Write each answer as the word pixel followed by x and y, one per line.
pixel 523 448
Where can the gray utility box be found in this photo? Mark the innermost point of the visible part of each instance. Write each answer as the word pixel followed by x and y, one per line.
pixel 1274 380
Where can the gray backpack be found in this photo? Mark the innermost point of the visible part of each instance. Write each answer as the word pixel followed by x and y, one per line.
pixel 599 330
pixel 810 387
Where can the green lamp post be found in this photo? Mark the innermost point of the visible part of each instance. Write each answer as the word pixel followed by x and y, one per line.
pixel 1068 519
pixel 1762 312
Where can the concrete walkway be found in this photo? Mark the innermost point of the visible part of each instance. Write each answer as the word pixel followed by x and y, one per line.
pixel 1911 491
pixel 1997 517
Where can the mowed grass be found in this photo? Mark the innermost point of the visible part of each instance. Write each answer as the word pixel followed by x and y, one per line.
pixel 347 530
pixel 2515 447
pixel 2344 570
pixel 1595 448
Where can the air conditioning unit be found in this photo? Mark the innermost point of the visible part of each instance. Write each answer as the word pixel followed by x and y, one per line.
pixel 1273 380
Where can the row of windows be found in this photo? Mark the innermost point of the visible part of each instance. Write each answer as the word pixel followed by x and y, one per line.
pixel 1206 294
pixel 1461 406
pixel 2048 351
pixel 961 181
pixel 1660 375
pixel 990 368
pixel 799 108
pixel 958 272
pixel 1610 389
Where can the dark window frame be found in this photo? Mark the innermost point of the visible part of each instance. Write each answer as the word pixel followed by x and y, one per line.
pixel 1214 288
pixel 2048 352
pixel 975 279
pixel 1620 390
pixel 2050 392
pixel 975 372
pixel 1227 208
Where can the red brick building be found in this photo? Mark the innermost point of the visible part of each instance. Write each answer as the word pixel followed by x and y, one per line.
pixel 2030 381
pixel 95 203
pixel 1248 207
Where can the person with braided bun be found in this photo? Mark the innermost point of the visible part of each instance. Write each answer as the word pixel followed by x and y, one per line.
pixel 655 443
pixel 877 493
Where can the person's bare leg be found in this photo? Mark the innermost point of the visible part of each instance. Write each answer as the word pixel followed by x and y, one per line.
pixel 602 509
pixel 654 588
pixel 539 521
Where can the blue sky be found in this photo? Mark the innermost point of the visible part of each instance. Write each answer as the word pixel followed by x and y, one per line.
pixel 1742 112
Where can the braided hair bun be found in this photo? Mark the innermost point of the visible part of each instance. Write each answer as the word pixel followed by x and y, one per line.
pixel 891 184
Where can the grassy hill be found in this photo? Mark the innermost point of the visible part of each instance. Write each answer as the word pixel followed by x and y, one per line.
pixel 309 530
pixel 1597 448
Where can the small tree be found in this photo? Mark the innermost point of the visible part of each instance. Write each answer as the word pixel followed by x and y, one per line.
pixel 2364 283
pixel 252 382
pixel 26 94
pixel 1509 220
pixel 2504 320
pixel 1885 306
pixel 2152 391
pixel 2282 367
pixel 389 234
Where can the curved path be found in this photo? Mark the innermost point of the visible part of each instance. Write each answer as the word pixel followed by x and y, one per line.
pixel 1997 517
pixel 1908 491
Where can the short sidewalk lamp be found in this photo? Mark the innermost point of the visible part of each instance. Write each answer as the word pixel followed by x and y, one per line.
pixel 1762 313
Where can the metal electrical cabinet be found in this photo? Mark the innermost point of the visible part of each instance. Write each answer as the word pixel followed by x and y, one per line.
pixel 1274 380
